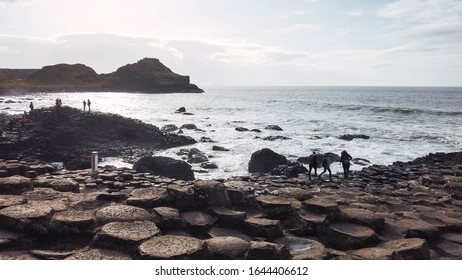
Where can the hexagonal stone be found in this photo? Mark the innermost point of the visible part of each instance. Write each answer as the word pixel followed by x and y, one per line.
pixel 259 227
pixel 211 193
pixel 122 213
pixel 222 232
pixel 275 206
pixel 227 248
pixel 110 176
pixel 450 248
pixel 197 219
pixel 349 236
pixel 262 250
pixel 98 254
pixel 16 255
pixel 373 253
pixel 362 216
pixel 21 217
pixel 452 236
pixel 65 185
pixel 183 196
pixel 320 204
pixel 296 193
pixel 311 220
pixel 408 249
pixel 125 235
pixel 51 255
pixel 228 216
pixel 11 200
pixel 7 238
pixel 74 218
pixel 149 197
pixel 303 248
pixel 172 247
pixel 167 217
pixel 15 185
pixel 416 228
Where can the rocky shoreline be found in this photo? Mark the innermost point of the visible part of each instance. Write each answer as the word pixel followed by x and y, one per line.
pixel 409 210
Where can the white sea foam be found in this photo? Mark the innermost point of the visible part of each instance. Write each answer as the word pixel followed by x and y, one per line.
pixel 403 123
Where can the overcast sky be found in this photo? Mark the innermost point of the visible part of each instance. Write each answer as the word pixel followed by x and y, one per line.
pixel 251 42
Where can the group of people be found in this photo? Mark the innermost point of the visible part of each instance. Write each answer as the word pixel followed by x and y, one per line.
pixel 85 103
pixel 345 159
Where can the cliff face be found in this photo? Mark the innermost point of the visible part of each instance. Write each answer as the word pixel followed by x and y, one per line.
pixel 148 75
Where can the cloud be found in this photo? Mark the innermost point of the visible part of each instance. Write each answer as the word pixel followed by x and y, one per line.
pixel 297 27
pixel 355 13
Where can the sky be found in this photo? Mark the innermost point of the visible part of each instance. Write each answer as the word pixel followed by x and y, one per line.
pixel 251 42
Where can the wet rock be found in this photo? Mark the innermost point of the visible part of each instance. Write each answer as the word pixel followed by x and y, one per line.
pixel 262 250
pixel 291 170
pixel 241 129
pixel 165 166
pixel 408 249
pixel 227 248
pixel 224 232
pixel 98 254
pixel 197 219
pixel 206 140
pixel 169 128
pixel 172 247
pixel 260 227
pixel 273 127
pixel 15 185
pixel 149 197
pixel 349 236
pixel 211 193
pixel 349 137
pixel 189 126
pixel 265 160
pixel 209 165
pixel 51 255
pixel 181 110
pixel 219 148
pixel 196 156
pixel 125 235
pixel 167 217
pixel 274 138
pixel 121 213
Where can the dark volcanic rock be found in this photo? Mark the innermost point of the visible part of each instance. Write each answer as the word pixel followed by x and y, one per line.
pixel 225 248
pixel 290 170
pixel 349 137
pixel 172 247
pixel 165 166
pixel 196 156
pixel 265 160
pixel 15 185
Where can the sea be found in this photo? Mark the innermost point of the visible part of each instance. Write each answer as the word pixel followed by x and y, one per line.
pixel 402 123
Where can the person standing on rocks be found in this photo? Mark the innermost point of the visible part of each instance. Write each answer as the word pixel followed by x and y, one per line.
pixel 312 163
pixel 326 165
pixel 31 106
pixel 84 105
pixel 88 103
pixel 345 160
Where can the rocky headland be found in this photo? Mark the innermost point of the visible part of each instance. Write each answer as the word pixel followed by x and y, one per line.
pixel 407 210
pixel 69 135
pixel 148 75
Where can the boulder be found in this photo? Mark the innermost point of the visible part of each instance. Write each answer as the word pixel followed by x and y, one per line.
pixel 349 137
pixel 265 160
pixel 183 196
pixel 65 185
pixel 181 110
pixel 218 148
pixel 209 165
pixel 241 129
pixel 189 126
pixel 172 247
pixel 273 127
pixel 169 128
pixel 165 166
pixel 291 170
pixel 196 156
pixel 15 185
pixel 26 218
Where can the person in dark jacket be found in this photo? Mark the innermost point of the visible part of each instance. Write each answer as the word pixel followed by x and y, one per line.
pixel 326 166
pixel 312 163
pixel 345 159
